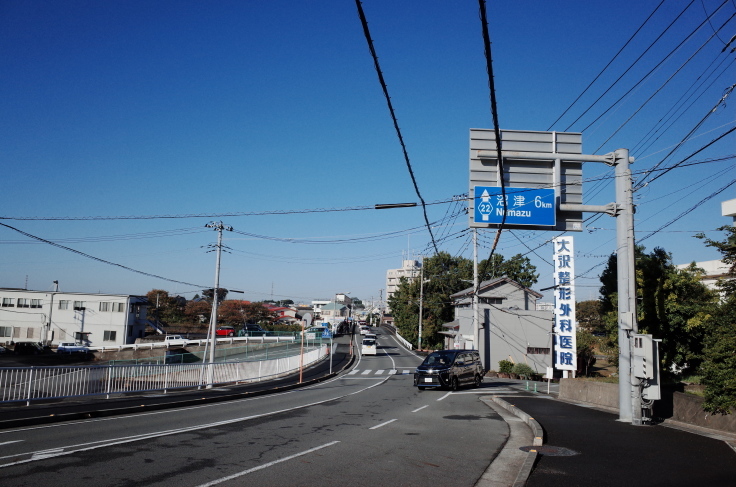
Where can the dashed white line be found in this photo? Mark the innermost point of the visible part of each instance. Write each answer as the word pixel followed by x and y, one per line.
pixel 419 409
pixel 382 424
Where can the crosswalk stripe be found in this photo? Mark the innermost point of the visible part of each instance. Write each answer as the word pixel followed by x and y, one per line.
pixel 392 372
pixel 366 372
pixel 378 372
pixel 354 371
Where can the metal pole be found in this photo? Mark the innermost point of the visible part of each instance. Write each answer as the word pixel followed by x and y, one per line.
pixel 421 297
pixel 476 327
pixel 629 400
pixel 219 227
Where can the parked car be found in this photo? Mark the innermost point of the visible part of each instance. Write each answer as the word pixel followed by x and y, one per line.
pixel 252 331
pixel 225 331
pixel 175 340
pixel 3 350
pixel 71 347
pixel 28 348
pixel 450 369
pixel 369 347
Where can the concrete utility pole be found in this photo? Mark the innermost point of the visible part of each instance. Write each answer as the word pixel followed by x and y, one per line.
pixel 628 385
pixel 421 297
pixel 476 327
pixel 219 227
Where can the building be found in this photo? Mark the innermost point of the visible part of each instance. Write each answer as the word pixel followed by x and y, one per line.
pixel 52 317
pixel 410 269
pixel 510 325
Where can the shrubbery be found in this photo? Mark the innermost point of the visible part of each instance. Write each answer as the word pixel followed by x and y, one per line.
pixel 505 366
pixel 522 370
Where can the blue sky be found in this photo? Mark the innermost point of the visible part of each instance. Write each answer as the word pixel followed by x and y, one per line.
pixel 175 108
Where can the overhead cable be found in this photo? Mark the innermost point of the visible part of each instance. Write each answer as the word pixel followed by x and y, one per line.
pixel 368 39
pixel 606 66
pixel 97 258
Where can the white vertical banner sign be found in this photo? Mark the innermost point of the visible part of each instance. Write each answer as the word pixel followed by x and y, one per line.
pixel 564 330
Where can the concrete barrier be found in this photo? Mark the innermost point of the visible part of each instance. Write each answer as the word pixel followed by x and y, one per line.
pixel 591 392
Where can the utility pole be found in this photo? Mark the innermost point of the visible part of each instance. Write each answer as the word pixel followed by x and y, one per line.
pixel 421 302
pixel 219 227
pixel 476 286
pixel 628 384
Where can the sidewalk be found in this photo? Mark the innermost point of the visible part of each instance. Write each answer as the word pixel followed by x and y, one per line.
pixel 584 446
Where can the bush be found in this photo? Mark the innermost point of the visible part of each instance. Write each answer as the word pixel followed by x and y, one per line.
pixel 523 370
pixel 505 366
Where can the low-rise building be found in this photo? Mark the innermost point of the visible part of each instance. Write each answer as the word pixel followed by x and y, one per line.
pixel 52 317
pixel 510 325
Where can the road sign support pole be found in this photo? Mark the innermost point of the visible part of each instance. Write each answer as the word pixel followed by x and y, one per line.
pixel 629 400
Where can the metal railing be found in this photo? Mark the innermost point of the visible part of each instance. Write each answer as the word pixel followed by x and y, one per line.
pixel 35 383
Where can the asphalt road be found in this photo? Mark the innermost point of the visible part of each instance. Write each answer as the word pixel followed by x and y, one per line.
pixel 366 427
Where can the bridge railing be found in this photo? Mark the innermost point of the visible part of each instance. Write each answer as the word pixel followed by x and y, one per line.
pixel 36 383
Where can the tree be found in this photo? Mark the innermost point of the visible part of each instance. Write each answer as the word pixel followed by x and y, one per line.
pixel 718 367
pixel 518 268
pixel 198 311
pixel 209 294
pixel 672 304
pixel 169 309
pixel 588 314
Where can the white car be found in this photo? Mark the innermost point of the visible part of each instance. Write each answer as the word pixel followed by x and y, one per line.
pixel 364 330
pixel 175 340
pixel 369 347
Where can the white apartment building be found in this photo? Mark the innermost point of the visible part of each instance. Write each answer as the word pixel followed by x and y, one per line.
pixel 52 317
pixel 409 269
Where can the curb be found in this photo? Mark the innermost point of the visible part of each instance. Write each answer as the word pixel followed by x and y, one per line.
pixel 536 428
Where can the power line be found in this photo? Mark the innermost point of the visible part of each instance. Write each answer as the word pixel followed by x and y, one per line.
pixel 368 39
pixel 97 258
pixel 606 67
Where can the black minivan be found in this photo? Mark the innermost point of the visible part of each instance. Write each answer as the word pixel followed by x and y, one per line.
pixel 450 369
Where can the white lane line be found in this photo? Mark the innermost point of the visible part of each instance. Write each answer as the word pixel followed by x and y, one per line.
pixel 39 455
pixel 9 442
pixel 362 378
pixel 449 393
pixel 266 465
pixel 406 372
pixel 419 409
pixel 382 424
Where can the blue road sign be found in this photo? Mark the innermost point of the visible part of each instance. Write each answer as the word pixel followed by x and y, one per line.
pixel 524 206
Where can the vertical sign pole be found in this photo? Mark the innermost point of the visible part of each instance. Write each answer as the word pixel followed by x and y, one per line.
pixel 629 401
pixel 476 324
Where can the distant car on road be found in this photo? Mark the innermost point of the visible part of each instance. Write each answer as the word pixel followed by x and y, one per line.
pixel 71 347
pixel 365 330
pixel 369 347
pixel 252 331
pixel 175 340
pixel 225 331
pixel 28 348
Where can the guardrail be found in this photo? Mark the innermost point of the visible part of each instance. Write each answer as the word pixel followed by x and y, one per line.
pixel 200 342
pixel 35 383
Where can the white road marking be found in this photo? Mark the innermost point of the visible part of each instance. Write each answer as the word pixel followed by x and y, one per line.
pixel 9 442
pixel 441 398
pixel 392 371
pixel 379 372
pixel 382 424
pixel 419 409
pixel 354 371
pixel 366 372
pixel 266 465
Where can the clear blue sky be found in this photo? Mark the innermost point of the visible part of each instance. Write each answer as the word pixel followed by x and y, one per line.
pixel 145 108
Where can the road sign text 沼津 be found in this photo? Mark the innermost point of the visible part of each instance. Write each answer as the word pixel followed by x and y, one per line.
pixel 523 206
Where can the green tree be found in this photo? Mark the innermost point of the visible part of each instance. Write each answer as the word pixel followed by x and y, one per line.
pixel 672 304
pixel 589 315
pixel 518 268
pixel 718 368
pixel 166 308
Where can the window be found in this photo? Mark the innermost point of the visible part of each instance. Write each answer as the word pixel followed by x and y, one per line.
pixel 104 306
pixel 30 332
pixel 6 331
pixel 8 303
pixel 491 300
pixel 537 351
pixel 109 336
pixel 64 304
pixel 36 303
pixel 78 305
pixel 23 303
pixel 118 307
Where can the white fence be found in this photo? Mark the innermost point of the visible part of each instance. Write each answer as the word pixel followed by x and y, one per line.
pixel 34 383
